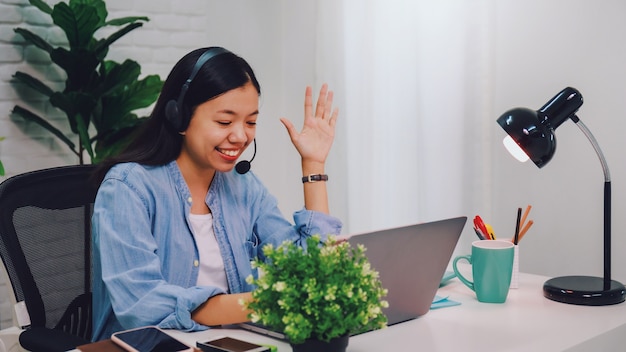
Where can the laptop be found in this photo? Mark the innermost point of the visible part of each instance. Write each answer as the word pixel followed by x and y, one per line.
pixel 411 261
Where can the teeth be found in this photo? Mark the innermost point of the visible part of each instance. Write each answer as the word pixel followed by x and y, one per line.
pixel 230 152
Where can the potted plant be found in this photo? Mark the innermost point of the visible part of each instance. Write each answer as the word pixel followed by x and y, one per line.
pixel 99 95
pixel 318 295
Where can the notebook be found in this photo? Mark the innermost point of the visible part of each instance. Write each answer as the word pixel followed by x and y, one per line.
pixel 411 261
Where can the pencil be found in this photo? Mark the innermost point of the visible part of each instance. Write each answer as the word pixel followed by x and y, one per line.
pixel 517 225
pixel 523 231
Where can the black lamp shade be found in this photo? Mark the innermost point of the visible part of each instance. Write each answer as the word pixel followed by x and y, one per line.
pixel 533 131
pixel 536 139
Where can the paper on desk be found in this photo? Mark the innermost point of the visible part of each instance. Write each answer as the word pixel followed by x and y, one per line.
pixel 442 302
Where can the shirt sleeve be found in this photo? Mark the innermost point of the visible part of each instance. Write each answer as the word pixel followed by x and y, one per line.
pixel 131 268
pixel 272 227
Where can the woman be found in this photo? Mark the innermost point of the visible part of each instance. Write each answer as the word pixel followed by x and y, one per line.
pixel 174 227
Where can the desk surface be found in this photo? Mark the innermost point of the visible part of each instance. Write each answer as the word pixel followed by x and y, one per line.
pixel 525 322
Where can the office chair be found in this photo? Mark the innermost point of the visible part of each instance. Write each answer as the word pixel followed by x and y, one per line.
pixel 45 245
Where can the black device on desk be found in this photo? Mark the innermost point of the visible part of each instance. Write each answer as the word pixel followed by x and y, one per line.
pixel 230 344
pixel 148 339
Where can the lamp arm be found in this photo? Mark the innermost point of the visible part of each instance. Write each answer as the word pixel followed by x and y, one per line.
pixel 607 201
pixel 596 147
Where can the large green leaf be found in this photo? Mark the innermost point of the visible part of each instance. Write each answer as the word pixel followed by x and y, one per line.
pixel 136 95
pixel 142 93
pixel 79 23
pixel 74 104
pixel 98 5
pixel 29 116
pixel 33 83
pixel 41 5
pixel 117 76
pixel 79 65
pixel 115 107
pixel 125 20
pixel 114 143
pixel 104 44
pixel 34 39
pixel 83 133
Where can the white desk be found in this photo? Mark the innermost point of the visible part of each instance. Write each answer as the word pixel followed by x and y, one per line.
pixel 525 322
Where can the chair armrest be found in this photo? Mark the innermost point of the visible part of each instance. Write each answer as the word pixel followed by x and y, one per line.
pixel 37 338
pixel 9 339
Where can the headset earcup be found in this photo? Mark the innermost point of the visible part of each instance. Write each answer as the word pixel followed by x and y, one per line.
pixel 173 115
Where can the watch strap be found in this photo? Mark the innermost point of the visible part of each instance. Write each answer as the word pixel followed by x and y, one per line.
pixel 314 178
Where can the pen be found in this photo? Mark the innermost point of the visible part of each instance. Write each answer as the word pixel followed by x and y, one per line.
pixel 492 234
pixel 480 236
pixel 478 222
pixel 517 225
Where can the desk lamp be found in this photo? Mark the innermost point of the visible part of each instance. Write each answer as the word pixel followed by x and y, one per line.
pixel 531 136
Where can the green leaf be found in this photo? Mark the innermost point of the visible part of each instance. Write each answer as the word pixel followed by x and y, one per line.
pixel 113 143
pixel 79 22
pixel 41 5
pixel 34 39
pixel 116 76
pixel 75 104
pixel 124 93
pixel 83 133
pixel 29 116
pixel 142 93
pixel 33 83
pixel 1 169
pixel 104 44
pixel 98 5
pixel 79 65
pixel 125 20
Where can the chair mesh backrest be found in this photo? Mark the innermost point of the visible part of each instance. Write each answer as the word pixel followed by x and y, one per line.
pixel 45 238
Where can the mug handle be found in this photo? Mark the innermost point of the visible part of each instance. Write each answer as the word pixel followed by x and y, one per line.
pixel 459 275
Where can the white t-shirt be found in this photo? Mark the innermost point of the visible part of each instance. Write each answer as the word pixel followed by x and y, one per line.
pixel 212 272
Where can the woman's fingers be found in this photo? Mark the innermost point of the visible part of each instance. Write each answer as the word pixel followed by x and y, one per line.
pixel 323 107
pixel 320 109
pixel 308 102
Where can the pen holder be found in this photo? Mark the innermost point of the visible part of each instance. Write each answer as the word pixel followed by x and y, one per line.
pixel 515 274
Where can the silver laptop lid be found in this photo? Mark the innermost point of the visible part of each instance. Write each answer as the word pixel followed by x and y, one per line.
pixel 411 261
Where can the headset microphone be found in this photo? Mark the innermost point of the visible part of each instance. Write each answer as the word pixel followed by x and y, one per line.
pixel 244 166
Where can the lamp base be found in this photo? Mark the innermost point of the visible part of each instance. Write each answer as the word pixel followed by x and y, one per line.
pixel 584 290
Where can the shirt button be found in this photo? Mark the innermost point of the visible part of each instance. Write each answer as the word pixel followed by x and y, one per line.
pixel 189 199
pixel 196 263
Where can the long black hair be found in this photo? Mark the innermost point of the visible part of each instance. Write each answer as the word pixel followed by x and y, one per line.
pixel 157 142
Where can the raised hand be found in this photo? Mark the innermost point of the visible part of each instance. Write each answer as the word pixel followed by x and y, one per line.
pixel 317 135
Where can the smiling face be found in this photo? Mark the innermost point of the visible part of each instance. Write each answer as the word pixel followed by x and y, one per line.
pixel 219 131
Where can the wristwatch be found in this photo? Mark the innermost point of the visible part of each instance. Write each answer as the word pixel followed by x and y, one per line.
pixel 314 178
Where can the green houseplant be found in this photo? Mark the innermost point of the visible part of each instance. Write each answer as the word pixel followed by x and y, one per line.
pixel 99 95
pixel 320 293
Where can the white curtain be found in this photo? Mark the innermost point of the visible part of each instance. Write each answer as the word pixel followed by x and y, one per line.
pixel 415 75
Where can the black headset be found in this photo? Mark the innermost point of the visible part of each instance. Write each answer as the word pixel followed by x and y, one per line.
pixel 175 111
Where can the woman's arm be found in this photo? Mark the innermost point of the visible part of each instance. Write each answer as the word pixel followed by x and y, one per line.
pixel 223 309
pixel 313 143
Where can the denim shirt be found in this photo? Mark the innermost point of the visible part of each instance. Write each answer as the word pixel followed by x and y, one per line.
pixel 145 259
